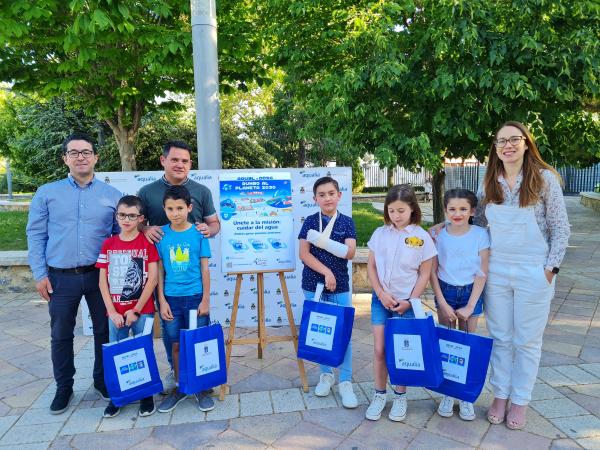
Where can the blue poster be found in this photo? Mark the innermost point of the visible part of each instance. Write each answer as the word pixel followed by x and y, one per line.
pixel 256 221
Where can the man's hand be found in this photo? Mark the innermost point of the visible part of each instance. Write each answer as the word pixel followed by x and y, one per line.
pixel 203 228
pixel 154 234
pixel 44 288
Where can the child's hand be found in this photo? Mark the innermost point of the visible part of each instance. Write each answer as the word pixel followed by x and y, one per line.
pixel 165 311
pixel 117 319
pixel 388 301
pixel 402 307
pixel 465 312
pixel 130 317
pixel 446 314
pixel 330 281
pixel 204 308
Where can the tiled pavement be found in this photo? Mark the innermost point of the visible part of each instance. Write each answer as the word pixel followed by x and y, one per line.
pixel 267 409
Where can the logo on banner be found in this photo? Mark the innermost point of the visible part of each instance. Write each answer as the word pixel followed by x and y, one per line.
pixel 408 352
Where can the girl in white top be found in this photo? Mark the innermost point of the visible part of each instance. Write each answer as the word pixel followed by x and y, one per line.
pixel 459 274
pixel 399 267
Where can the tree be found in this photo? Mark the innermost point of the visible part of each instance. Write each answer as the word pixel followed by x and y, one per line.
pixel 416 81
pixel 116 57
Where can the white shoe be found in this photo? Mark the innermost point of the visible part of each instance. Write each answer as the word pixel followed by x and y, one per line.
pixel 466 410
pixel 324 387
pixel 169 383
pixel 446 408
pixel 376 406
pixel 349 399
pixel 398 411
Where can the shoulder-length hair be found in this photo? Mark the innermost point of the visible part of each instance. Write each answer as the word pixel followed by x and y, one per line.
pixel 533 164
pixel 406 194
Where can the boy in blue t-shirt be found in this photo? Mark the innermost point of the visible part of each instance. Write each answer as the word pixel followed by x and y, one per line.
pixel 183 282
pixel 327 242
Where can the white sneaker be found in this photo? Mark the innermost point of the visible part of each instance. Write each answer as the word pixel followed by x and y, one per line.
pixel 467 412
pixel 398 411
pixel 446 408
pixel 349 399
pixel 169 383
pixel 324 387
pixel 376 406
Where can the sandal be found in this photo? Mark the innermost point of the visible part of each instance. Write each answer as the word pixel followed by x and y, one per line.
pixel 511 422
pixel 496 418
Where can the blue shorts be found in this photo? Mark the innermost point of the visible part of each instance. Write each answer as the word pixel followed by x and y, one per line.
pixel 379 314
pixel 458 297
pixel 180 307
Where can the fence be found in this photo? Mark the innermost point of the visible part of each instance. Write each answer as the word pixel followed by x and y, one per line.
pixel 471 176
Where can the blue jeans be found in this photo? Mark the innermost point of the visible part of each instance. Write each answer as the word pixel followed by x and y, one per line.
pixel 379 314
pixel 458 297
pixel 180 308
pixel 341 299
pixel 118 334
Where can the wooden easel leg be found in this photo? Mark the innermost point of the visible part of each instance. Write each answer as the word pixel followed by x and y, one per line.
pixel 293 331
pixel 231 333
pixel 262 332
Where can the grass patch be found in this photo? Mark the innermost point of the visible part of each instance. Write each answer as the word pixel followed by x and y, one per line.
pixel 367 219
pixel 12 224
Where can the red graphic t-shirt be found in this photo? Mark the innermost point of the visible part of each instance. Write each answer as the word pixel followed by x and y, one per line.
pixel 126 264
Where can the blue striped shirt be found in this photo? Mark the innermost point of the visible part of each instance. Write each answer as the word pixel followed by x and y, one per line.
pixel 68 223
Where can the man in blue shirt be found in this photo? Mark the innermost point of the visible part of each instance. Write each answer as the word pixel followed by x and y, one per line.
pixel 68 221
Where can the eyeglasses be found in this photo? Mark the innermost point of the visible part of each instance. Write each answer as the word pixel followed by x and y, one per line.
pixel 130 217
pixel 74 154
pixel 514 141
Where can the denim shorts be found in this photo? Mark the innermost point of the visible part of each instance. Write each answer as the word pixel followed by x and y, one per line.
pixel 379 314
pixel 118 334
pixel 180 308
pixel 458 297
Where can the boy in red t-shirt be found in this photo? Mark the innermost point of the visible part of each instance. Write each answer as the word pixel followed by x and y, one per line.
pixel 128 277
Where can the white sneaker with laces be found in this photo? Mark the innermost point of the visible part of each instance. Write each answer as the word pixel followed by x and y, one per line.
pixel 466 411
pixel 376 406
pixel 398 411
pixel 446 408
pixel 349 399
pixel 324 387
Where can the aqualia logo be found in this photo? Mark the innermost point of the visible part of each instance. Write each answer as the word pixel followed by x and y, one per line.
pixel 320 329
pixel 144 178
pixel 453 359
pixel 309 174
pixel 198 177
pixel 131 367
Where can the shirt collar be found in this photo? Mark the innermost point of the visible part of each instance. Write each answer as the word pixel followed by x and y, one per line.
pixel 518 180
pixel 73 183
pixel 164 180
pixel 408 229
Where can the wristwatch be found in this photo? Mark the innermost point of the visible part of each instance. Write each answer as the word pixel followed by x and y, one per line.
pixel 137 314
pixel 554 270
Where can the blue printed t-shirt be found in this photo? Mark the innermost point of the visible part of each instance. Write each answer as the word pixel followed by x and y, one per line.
pixel 343 229
pixel 180 252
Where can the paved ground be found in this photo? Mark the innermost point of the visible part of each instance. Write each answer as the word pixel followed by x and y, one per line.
pixel 266 408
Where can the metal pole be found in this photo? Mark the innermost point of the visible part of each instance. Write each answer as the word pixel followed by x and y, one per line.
pixel 206 83
pixel 9 180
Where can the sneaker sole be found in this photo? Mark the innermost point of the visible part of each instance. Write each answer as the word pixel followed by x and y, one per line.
pixel 160 410
pixel 445 414
pixel 206 409
pixel 106 416
pixel 146 413
pixel 101 394
pixel 370 417
pixel 60 411
pixel 397 418
pixel 467 418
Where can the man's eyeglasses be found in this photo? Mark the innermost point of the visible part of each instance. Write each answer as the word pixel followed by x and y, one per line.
pixel 514 141
pixel 74 154
pixel 130 217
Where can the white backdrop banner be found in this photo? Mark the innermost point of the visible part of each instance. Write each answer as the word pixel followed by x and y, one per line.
pixel 223 286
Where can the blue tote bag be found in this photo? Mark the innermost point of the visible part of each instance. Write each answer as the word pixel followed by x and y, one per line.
pixel 412 353
pixel 325 331
pixel 130 369
pixel 465 358
pixel 201 359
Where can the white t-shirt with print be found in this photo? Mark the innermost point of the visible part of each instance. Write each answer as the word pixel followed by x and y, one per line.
pixel 458 256
pixel 398 255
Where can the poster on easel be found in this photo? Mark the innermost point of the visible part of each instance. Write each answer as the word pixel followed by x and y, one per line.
pixel 257 224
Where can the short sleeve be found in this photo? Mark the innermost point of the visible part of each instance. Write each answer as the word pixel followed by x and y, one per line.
pixel 159 248
pixel 307 225
pixel 350 229
pixel 484 239
pixel 373 243
pixel 204 248
pixel 429 250
pixel 102 262
pixel 152 253
pixel 209 207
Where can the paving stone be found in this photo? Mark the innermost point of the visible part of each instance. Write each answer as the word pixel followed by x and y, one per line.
pixel 559 407
pixel 384 434
pixel 590 353
pixel 554 378
pixel 260 381
pixel 542 391
pixel 229 408
pixel 85 421
pixel 588 402
pixel 338 420
pixel 286 368
pixel 4 409
pixel 360 395
pixel 562 348
pixel 419 412
pixel 36 446
pixel 40 416
pixel 187 412
pixel 536 424
pixel 307 435
pixel 454 428
pixel 30 434
pixel 576 374
pixel 313 402
pixel 6 422
pixel 232 440
pixel 579 426
pixel 287 400
pixel 564 444
pixel 428 440
pixel 592 443
pixel 154 420
pixel 266 429
pixel 351 444
pixel 588 389
pixel 24 396
pixel 151 443
pixel 124 421
pixel 501 437
pixel 189 435
pixel 110 439
pixel 255 404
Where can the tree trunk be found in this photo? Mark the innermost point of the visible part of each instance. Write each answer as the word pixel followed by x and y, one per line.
pixel 390 177
pixel 301 154
pixel 125 135
pixel 438 196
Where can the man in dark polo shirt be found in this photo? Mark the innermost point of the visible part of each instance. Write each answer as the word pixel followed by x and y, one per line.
pixel 177 162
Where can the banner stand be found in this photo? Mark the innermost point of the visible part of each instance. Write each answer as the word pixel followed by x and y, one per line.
pixel 262 340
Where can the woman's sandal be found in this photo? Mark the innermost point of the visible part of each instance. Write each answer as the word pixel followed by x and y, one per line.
pixel 514 424
pixel 496 419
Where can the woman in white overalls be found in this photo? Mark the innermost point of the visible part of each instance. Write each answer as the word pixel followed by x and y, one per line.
pixel 522 202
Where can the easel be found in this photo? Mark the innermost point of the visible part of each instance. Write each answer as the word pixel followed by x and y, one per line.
pixel 262 340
